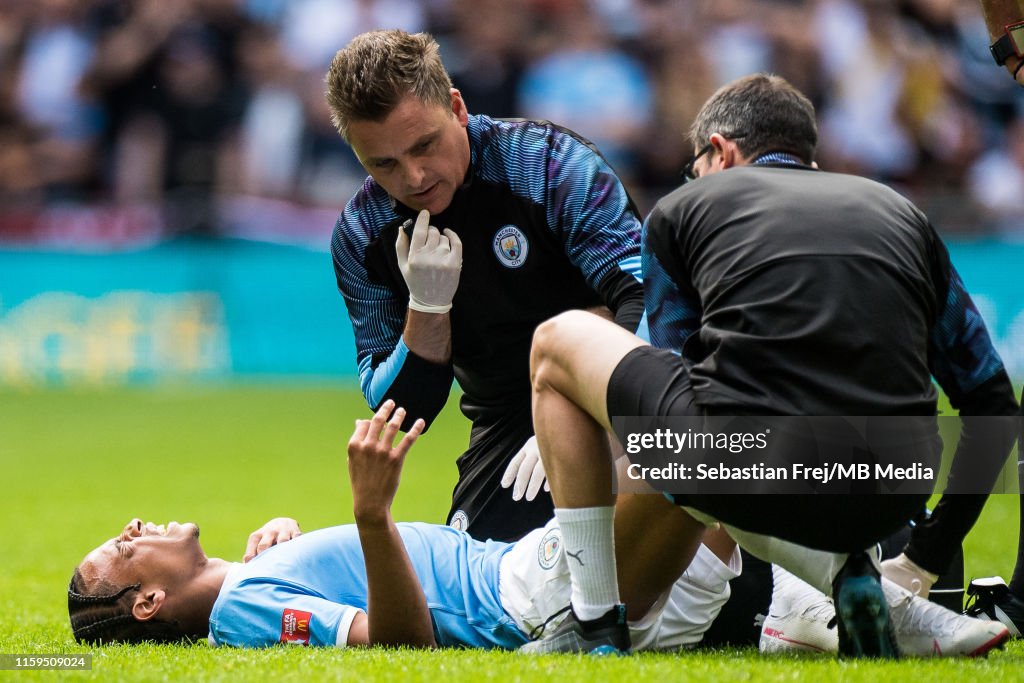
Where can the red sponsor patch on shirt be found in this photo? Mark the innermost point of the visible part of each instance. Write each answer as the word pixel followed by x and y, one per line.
pixel 295 626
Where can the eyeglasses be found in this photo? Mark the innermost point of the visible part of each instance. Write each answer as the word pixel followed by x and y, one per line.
pixel 687 173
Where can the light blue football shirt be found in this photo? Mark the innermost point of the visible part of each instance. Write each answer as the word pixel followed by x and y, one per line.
pixel 308 590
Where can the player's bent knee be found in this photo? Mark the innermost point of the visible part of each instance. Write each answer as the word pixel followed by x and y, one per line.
pixel 544 338
pixel 561 331
pixel 540 357
pixel 551 339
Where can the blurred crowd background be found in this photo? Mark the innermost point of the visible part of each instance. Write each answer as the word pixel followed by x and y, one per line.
pixel 134 120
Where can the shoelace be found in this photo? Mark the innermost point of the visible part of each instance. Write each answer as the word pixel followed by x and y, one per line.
pixel 909 620
pixel 923 616
pixel 981 600
pixel 537 631
pixel 978 602
pixel 816 608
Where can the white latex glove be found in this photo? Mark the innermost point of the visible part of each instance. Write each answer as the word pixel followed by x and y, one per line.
pixel 526 471
pixel 430 263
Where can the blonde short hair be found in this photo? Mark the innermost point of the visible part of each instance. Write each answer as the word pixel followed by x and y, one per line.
pixel 377 70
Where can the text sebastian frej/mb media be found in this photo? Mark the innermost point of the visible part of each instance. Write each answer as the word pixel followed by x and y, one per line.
pixel 669 440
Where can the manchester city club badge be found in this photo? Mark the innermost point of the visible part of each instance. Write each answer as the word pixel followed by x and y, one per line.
pixel 511 247
pixel 549 549
pixel 460 520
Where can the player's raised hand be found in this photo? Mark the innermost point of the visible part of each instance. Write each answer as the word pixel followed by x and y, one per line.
pixel 375 464
pixel 431 262
pixel 277 530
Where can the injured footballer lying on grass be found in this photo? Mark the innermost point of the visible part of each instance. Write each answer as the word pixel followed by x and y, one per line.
pixel 377 582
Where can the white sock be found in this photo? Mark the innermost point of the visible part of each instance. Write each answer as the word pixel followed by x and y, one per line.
pixel 588 540
pixel 817 567
pixel 906 573
pixel 790 591
pixel 782 581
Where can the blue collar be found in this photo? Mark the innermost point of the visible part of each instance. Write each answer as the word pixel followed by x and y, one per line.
pixel 779 158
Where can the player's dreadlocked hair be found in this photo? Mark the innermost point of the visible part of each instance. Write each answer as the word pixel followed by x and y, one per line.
pixel 105 615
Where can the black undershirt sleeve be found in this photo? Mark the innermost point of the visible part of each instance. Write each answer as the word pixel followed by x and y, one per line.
pixel 421 387
pixel 621 293
pixel 987 432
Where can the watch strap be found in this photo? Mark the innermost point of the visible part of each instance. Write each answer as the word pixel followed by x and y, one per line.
pixel 1009 44
pixel 1002 49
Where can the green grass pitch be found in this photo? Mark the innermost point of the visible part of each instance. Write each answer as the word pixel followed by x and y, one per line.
pixel 76 466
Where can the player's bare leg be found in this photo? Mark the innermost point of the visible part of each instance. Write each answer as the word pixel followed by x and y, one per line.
pixel 571 363
pixel 655 540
